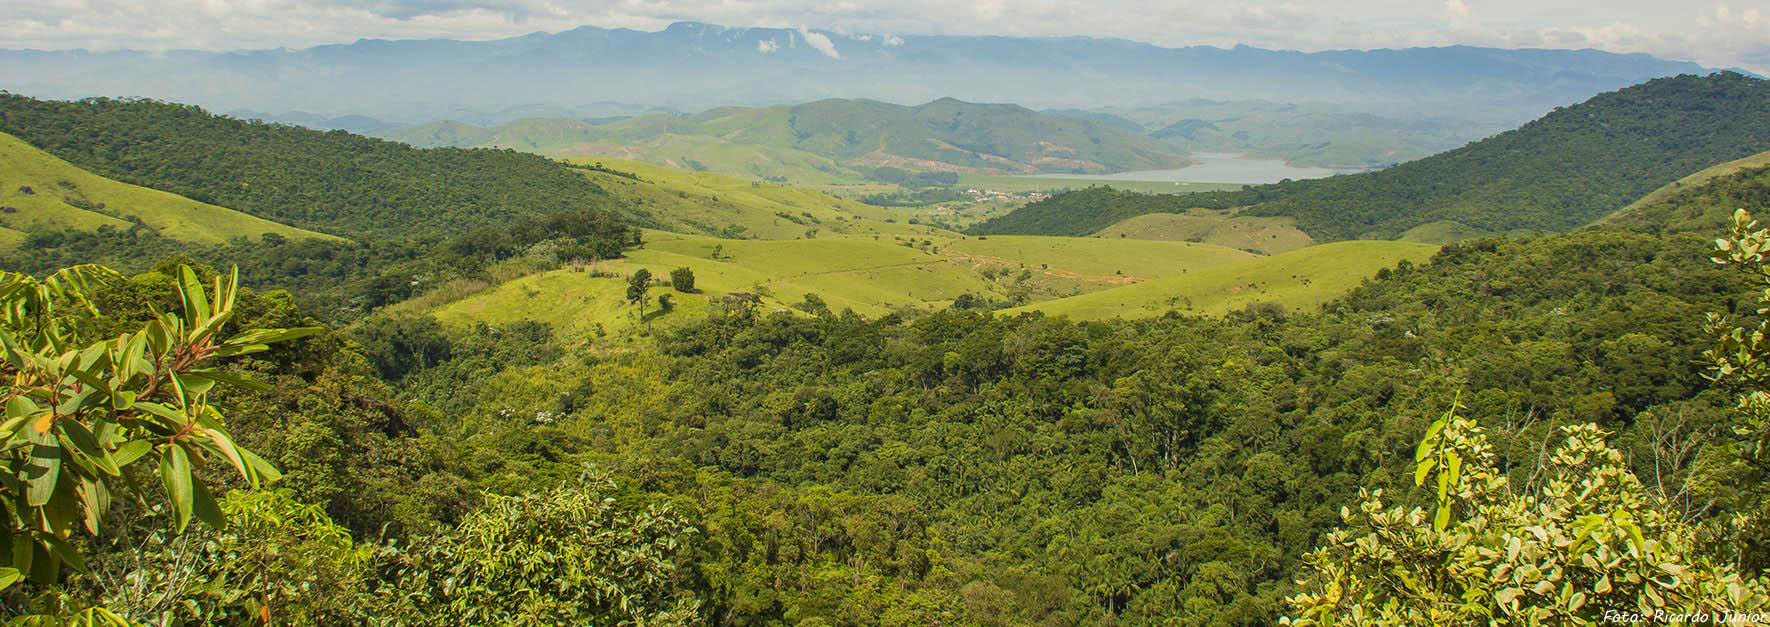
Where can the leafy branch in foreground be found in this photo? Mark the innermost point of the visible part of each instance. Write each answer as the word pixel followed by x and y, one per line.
pixel 78 416
pixel 1585 545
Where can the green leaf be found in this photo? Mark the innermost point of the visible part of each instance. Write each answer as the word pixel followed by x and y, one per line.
pixel 24 548
pixel 190 292
pixel 205 507
pixel 1441 518
pixel 176 418
pixel 43 468
pixel 68 555
pixel 175 473
pixel 1422 469
pixel 1429 443
pixel 261 469
pixel 95 500
pixel 86 445
pixel 9 576
pixel 221 442
pixel 232 379
pixel 131 451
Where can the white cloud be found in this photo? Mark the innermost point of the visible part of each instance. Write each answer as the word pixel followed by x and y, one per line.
pixel 893 40
pixel 821 43
pixel 1457 9
pixel 766 46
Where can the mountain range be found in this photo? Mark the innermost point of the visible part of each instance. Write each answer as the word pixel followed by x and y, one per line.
pixel 413 81
pixel 842 138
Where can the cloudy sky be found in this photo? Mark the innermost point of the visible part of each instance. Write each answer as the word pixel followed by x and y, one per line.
pixel 1715 34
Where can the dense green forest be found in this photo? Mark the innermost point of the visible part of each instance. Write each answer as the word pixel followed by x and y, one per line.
pixel 1560 172
pixel 955 467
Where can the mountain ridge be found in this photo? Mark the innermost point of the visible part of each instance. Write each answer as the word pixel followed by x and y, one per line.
pixel 420 79
pixel 859 134
pixel 1556 173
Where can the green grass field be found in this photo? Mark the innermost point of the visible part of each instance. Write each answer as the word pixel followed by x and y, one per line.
pixel 1298 280
pixel 64 196
pixel 1441 232
pixel 1268 235
pixel 712 204
pixel 874 277
pixel 1107 260
pixel 706 153
pixel 870 276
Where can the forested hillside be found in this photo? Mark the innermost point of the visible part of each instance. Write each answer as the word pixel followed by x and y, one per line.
pixel 335 182
pixel 39 193
pixel 1560 172
pixel 407 219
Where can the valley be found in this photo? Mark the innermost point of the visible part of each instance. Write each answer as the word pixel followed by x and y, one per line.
pixel 708 325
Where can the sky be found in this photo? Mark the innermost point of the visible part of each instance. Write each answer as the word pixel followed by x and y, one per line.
pixel 1716 34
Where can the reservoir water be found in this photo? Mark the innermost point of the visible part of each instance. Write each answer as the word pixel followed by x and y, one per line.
pixel 1216 167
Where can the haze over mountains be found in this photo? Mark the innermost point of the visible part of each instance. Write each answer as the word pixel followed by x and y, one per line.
pixel 694 66
pixel 830 138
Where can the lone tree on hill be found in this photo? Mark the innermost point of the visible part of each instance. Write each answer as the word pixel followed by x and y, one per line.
pixel 638 288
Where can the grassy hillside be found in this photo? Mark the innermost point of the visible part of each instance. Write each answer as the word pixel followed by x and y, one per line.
pixel 1560 172
pixel 1088 210
pixel 39 191
pixel 715 204
pixel 831 140
pixel 1087 278
pixel 870 276
pixel 1298 280
pixel 1224 228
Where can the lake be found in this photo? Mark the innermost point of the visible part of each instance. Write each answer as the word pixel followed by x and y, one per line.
pixel 1216 167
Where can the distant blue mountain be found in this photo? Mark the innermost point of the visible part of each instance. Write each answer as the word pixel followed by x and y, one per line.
pixel 693 66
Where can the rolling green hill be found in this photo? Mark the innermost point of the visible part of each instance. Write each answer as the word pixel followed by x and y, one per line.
pixel 1085 278
pixel 831 140
pixel 1298 280
pixel 1224 228
pixel 715 204
pixel 1560 172
pixel 40 192
pixel 870 276
pixel 1088 210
